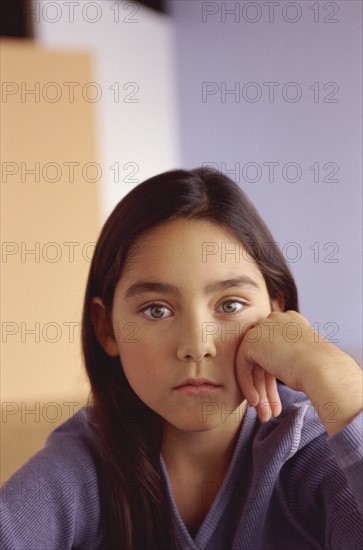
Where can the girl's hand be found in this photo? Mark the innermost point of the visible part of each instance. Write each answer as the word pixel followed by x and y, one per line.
pixel 285 346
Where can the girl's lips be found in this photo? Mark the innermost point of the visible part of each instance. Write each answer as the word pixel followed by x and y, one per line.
pixel 190 389
pixel 197 382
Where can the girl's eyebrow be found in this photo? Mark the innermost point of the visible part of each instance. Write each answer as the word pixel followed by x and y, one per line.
pixel 142 287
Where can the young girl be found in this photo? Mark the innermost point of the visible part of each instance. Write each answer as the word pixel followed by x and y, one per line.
pixel 218 418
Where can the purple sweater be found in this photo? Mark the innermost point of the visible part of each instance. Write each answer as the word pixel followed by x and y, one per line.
pixel 289 486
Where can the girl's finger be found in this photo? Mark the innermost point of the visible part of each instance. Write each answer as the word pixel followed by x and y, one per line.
pixel 245 381
pixel 259 380
pixel 273 394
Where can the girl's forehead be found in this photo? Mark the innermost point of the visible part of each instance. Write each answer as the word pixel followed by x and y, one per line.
pixel 180 245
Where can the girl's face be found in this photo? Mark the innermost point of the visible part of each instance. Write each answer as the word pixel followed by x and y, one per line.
pixel 177 314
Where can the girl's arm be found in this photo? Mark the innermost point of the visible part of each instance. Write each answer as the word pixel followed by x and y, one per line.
pixel 284 346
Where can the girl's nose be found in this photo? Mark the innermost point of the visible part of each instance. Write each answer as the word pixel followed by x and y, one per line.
pixel 193 341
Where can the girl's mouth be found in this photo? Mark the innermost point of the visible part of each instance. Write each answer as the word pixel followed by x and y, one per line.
pixel 190 389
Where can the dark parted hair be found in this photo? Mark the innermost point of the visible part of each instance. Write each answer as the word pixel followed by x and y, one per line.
pixel 135 510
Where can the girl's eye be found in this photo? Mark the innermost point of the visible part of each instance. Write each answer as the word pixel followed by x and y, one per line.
pixel 157 310
pixel 232 303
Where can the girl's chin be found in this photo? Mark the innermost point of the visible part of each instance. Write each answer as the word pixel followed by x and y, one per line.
pixel 191 427
pixel 204 415
pixel 192 424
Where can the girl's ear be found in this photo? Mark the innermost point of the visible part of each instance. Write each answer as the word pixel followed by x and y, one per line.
pixel 103 328
pixel 279 303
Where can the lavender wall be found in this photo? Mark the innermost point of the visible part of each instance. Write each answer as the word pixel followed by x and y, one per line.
pixel 311 128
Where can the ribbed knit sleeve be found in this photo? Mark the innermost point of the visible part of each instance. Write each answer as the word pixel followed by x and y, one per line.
pixel 52 502
pixel 319 491
pixel 347 520
pixel 347 446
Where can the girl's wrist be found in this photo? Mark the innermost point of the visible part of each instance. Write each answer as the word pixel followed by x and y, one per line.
pixel 335 388
pixel 322 359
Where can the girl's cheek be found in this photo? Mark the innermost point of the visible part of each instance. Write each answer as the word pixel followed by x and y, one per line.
pixel 247 325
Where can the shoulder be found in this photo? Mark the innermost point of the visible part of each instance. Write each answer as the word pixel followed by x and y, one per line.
pixel 56 493
pixel 77 433
pixel 72 448
pixel 69 458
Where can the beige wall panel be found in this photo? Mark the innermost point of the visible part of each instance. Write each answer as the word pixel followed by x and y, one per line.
pixel 43 291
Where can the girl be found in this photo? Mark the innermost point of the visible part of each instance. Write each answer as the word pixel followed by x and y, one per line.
pixel 218 418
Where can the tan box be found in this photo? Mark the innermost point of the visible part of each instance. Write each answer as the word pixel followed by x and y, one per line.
pixel 50 222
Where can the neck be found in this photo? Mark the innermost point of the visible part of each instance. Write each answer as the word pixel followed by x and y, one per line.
pixel 207 453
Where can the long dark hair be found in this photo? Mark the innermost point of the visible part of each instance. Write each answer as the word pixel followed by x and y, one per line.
pixel 135 510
